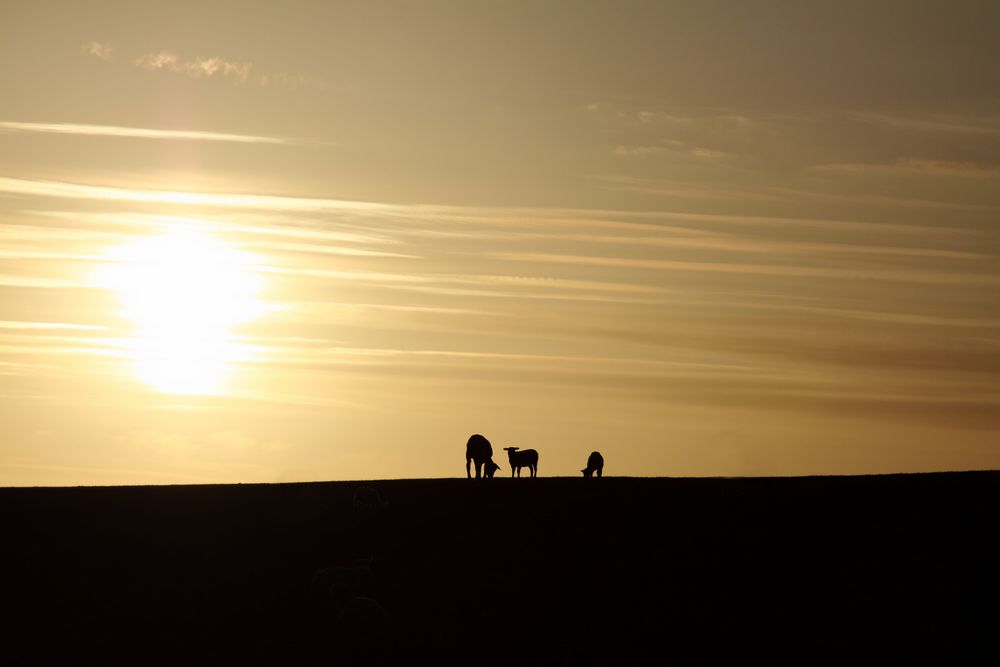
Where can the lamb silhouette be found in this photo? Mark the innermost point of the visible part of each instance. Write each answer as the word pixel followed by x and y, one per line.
pixel 594 462
pixel 478 449
pixel 529 457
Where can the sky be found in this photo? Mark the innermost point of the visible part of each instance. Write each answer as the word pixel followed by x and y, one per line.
pixel 275 242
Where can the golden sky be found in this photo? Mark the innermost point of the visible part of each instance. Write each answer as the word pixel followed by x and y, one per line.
pixel 300 241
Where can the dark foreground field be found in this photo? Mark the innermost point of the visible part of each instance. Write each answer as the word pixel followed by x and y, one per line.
pixel 509 571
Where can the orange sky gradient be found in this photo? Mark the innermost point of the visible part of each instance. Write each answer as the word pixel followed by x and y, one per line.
pixel 249 242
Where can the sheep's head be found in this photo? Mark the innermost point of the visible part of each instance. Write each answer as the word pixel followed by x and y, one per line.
pixel 511 449
pixel 491 467
pixel 587 472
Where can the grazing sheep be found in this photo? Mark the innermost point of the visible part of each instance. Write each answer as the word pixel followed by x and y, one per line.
pixel 490 468
pixel 477 449
pixel 529 457
pixel 368 501
pixel 594 462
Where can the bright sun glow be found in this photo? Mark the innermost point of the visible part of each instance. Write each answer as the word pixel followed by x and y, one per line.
pixel 185 292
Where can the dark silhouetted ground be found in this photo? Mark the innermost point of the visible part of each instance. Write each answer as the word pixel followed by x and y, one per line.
pixel 679 571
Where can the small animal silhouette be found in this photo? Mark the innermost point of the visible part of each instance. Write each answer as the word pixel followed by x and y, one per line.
pixel 528 457
pixel 594 462
pixel 478 449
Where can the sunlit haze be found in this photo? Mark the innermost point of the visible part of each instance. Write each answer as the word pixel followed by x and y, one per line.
pixel 266 242
pixel 184 292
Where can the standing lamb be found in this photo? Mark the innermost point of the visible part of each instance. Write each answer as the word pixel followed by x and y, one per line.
pixel 478 449
pixel 594 462
pixel 529 457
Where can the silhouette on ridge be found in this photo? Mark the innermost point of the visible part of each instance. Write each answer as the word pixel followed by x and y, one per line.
pixel 518 460
pixel 595 462
pixel 478 449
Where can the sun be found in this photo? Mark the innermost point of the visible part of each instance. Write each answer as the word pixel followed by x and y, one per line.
pixel 184 291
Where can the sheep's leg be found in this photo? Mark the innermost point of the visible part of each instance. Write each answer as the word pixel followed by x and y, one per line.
pixel 468 473
pixel 479 469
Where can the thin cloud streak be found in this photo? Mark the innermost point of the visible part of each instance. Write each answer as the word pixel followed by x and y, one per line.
pixel 183 198
pixel 866 273
pixel 137 132
pixel 555 217
pixel 8 324
pixel 949 124
pixel 99 50
pixel 914 166
pixel 197 67
pixel 200 68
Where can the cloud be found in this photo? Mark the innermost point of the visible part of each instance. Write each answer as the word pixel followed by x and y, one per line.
pixel 654 117
pixel 219 67
pixel 916 166
pixel 639 151
pixel 948 124
pixel 708 153
pixel 161 60
pixel 647 117
pixel 196 68
pixel 136 132
pixel 8 324
pixel 507 218
pixel 856 348
pixel 286 81
pixel 105 193
pixel 98 50
pixel 670 146
pixel 835 273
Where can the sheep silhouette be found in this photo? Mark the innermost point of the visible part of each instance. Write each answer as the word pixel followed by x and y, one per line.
pixel 478 449
pixel 595 462
pixel 528 457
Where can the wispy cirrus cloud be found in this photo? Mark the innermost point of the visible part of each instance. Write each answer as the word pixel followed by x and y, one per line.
pixel 7 324
pixel 285 80
pixel 699 224
pixel 948 124
pixel 670 146
pixel 835 273
pixel 136 132
pixel 242 72
pixel 98 50
pixel 108 193
pixel 913 166
pixel 214 67
pixel 195 67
